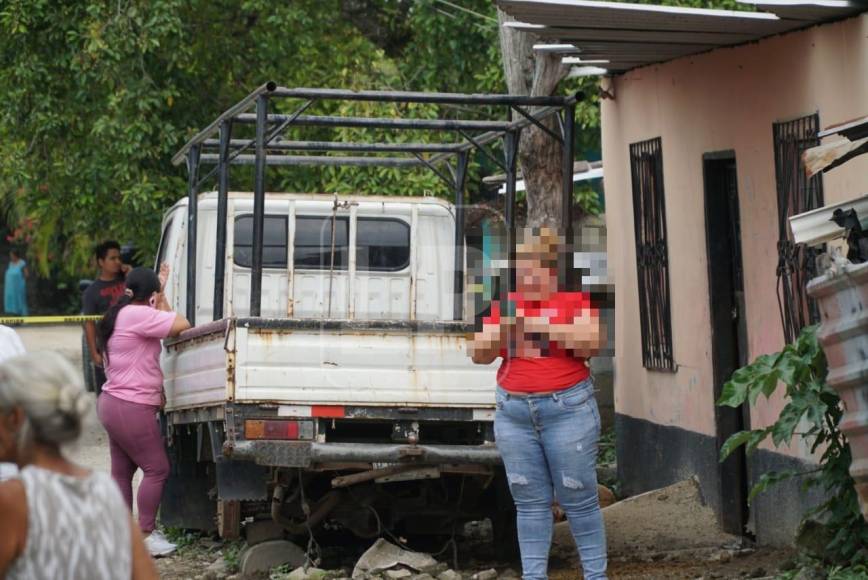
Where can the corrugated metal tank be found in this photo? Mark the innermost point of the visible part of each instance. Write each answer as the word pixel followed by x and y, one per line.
pixel 843 333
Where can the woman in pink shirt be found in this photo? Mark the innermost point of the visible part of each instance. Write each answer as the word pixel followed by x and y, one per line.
pixel 130 336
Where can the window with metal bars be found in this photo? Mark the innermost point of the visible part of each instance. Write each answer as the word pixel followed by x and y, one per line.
pixel 796 194
pixel 652 254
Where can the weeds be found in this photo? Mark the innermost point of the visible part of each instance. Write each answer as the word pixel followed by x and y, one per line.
pixel 809 567
pixel 607 455
pixel 181 537
pixel 232 556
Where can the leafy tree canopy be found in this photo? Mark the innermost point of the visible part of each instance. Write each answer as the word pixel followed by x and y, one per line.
pixel 98 95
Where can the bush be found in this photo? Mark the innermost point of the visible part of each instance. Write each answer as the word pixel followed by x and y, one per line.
pixel 810 402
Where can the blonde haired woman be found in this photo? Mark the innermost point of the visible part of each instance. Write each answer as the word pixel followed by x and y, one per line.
pixel 60 521
pixel 547 425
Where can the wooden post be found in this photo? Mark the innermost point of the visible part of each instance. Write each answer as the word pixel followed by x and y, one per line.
pixel 229 519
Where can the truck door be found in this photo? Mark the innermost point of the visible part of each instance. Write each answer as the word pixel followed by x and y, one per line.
pixel 170 252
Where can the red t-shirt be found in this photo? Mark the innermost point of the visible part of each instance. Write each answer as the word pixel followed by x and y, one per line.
pixel 560 369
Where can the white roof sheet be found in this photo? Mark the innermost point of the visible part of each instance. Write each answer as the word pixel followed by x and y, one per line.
pixel 632 35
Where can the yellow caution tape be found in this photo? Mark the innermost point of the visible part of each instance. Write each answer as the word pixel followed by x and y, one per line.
pixel 16 320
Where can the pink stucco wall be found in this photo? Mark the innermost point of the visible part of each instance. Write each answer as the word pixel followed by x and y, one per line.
pixel 723 100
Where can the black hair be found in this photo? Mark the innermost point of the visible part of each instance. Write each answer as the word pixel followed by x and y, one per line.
pixel 140 283
pixel 102 250
pixel 15 253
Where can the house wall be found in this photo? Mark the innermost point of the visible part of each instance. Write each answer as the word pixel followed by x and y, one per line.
pixel 722 100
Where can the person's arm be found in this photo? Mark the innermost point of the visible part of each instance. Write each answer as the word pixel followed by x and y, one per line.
pixel 89 307
pixel 585 335
pixel 180 324
pixel 13 514
pixel 90 335
pixel 143 565
pixel 487 344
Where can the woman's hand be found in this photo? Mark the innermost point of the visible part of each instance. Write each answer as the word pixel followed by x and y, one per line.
pixel 160 302
pixel 164 276
pixel 536 324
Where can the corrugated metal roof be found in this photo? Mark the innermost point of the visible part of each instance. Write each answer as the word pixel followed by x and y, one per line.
pixel 830 155
pixel 632 35
pixel 852 130
pixel 812 12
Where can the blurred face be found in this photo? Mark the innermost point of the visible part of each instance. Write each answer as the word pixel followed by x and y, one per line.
pixel 534 279
pixel 111 264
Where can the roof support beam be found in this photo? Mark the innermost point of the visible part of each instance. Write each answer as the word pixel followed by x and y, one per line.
pixel 530 118
pixel 416 97
pixel 320 160
pixel 381 123
pixel 339 146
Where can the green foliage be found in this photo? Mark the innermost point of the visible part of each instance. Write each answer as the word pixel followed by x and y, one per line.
pixel 98 96
pixel 232 556
pixel 182 538
pixel 809 567
pixel 812 413
pixel 607 454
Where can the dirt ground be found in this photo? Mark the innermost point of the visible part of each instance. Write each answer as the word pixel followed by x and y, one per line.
pixel 666 534
pixel 193 561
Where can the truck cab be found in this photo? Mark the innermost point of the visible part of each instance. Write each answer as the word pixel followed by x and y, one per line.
pixel 393 257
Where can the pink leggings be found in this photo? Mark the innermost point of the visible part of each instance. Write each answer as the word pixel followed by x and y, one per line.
pixel 135 442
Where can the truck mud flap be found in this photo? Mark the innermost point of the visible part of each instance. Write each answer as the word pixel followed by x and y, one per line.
pixel 304 454
pixel 186 502
pixel 241 480
pixel 236 480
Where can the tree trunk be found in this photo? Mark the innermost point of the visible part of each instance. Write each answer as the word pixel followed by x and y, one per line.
pixel 541 157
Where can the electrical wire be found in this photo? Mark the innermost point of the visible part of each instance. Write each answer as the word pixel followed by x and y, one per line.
pixel 313 553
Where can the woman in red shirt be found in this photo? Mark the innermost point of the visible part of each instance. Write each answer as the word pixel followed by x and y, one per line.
pixel 547 425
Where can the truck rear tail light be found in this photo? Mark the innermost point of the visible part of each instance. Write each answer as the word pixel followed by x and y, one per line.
pixel 327 411
pixel 264 429
pixel 318 411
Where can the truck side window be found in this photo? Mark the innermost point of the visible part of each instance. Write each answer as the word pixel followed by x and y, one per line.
pixel 274 241
pixel 313 242
pixel 382 245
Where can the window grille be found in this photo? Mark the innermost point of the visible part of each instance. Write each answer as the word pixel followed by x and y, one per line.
pixel 652 260
pixel 796 194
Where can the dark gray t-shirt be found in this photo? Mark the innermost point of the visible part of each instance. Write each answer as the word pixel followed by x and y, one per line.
pixel 101 295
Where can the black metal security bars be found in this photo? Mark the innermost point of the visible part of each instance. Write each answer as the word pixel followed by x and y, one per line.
pixel 652 254
pixel 796 194
pixel 270 148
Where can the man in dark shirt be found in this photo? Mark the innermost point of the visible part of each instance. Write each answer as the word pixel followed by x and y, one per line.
pixel 103 293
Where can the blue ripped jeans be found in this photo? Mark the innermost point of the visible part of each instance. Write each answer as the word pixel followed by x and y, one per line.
pixel 549 448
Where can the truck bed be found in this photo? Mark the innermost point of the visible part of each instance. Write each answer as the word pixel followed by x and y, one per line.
pixel 304 362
